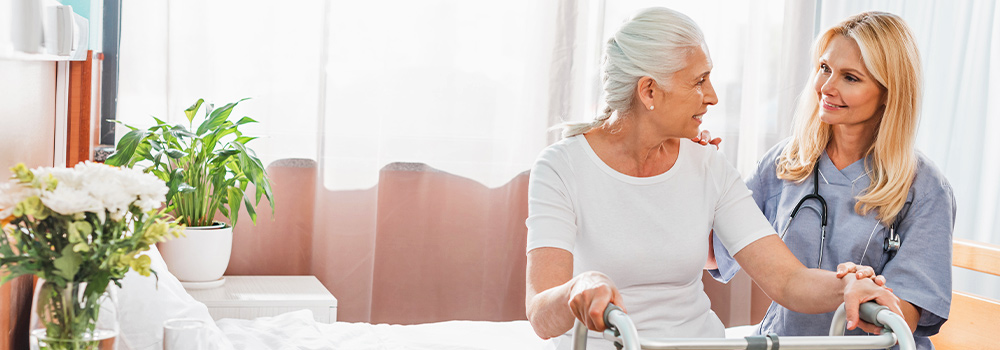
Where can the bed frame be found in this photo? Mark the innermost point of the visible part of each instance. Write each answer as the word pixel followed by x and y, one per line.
pixel 971 323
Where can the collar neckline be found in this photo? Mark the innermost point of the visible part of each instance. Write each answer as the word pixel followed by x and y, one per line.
pixel 852 174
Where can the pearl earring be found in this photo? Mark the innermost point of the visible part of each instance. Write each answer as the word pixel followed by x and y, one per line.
pixel 650 107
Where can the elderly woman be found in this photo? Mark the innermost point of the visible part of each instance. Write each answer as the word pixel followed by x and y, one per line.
pixel 884 205
pixel 620 209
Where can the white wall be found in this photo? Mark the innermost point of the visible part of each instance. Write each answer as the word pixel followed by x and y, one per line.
pixel 27 113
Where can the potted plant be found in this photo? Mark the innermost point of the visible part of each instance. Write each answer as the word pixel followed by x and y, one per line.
pixel 78 230
pixel 208 170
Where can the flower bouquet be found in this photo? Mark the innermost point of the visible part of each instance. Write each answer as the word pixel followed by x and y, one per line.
pixel 78 230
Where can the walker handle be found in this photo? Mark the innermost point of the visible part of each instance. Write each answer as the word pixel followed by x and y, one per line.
pixel 869 313
pixel 878 315
pixel 618 324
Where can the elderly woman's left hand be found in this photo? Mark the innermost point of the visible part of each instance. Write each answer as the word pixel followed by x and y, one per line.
pixel 861 271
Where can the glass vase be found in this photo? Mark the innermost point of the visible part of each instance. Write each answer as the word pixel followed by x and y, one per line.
pixel 65 317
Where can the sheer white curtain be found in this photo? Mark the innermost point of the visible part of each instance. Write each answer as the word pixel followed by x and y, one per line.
pixel 468 88
pixel 173 53
pixel 460 85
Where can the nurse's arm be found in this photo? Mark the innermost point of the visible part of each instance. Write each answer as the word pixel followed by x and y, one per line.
pixel 910 313
pixel 789 283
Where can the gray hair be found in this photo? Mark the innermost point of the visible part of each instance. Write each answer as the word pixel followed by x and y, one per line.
pixel 654 43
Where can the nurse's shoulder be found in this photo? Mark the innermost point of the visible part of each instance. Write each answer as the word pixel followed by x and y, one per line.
pixel 929 183
pixel 765 177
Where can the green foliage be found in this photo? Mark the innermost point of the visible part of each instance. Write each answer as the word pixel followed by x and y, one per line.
pixel 207 171
pixel 45 247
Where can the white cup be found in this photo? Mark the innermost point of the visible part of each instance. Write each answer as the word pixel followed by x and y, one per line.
pixel 184 334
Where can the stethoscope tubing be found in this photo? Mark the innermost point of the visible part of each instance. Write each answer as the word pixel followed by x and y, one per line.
pixel 891 244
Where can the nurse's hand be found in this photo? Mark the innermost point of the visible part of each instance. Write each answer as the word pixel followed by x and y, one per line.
pixel 590 294
pixel 857 291
pixel 705 138
pixel 862 271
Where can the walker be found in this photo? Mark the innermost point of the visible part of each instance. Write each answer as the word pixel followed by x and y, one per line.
pixel 622 332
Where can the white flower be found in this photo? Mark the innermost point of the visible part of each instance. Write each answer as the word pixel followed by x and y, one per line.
pixel 91 188
pixel 11 193
pixel 67 200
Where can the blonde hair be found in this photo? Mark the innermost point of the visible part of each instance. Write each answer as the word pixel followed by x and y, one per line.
pixel 890 54
pixel 655 43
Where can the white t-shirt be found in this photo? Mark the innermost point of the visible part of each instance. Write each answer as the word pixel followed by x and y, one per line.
pixel 648 234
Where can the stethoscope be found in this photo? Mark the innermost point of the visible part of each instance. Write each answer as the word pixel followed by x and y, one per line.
pixel 889 245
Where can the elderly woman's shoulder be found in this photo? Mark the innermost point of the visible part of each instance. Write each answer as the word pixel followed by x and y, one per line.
pixel 562 149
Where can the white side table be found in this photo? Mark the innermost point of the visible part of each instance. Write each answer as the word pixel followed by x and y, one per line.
pixel 248 297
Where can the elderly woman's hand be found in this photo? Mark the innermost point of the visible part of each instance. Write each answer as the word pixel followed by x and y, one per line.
pixel 858 291
pixel 861 271
pixel 589 295
pixel 705 138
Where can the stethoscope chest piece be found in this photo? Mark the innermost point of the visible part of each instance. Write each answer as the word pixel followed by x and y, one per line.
pixel 892 242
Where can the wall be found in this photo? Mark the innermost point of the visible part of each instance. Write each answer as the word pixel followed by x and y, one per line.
pixel 27 113
pixel 27 134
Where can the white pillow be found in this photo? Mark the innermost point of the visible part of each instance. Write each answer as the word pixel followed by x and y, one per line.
pixel 143 305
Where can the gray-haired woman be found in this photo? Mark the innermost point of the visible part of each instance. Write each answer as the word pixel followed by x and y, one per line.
pixel 628 198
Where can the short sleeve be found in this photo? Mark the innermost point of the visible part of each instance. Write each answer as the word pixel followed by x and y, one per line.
pixel 920 272
pixel 551 219
pixel 738 220
pixel 757 184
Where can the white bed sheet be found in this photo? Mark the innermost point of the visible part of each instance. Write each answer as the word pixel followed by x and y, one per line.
pixel 298 330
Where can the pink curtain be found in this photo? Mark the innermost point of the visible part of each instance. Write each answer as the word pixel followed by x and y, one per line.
pixel 421 246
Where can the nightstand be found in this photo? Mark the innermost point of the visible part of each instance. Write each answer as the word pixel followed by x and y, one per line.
pixel 250 297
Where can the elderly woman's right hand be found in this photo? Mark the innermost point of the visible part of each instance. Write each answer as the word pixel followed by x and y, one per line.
pixel 857 291
pixel 590 294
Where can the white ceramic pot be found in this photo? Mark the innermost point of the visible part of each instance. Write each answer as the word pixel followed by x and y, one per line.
pixel 202 256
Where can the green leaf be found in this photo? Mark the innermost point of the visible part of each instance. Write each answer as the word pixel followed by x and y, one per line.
pixel 179 131
pixel 217 118
pixel 245 120
pixel 244 139
pixel 68 264
pixel 193 109
pixel 119 122
pixel 143 150
pixel 250 210
pixel 155 145
pixel 235 197
pixel 185 188
pixel 226 152
pixel 126 148
pixel 175 154
pixel 173 185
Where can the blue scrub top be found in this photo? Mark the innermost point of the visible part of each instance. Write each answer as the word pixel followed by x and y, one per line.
pixel 919 273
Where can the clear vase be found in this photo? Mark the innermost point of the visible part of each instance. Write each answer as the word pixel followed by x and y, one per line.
pixel 66 317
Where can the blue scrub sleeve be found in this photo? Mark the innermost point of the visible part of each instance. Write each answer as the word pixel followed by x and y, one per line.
pixel 920 272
